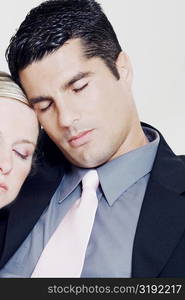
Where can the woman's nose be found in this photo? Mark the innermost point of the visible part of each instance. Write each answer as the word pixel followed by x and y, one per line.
pixel 5 163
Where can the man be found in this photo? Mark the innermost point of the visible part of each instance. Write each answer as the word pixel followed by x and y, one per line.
pixel 67 58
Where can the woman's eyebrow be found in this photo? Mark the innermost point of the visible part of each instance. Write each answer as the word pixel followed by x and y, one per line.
pixel 24 141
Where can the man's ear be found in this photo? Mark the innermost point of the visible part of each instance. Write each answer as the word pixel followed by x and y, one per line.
pixel 124 68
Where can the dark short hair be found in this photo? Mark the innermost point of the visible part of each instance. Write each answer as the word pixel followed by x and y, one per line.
pixel 48 26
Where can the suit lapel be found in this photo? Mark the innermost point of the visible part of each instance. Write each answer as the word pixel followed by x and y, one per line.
pixel 162 218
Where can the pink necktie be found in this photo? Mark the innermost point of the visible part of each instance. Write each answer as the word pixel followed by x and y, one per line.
pixel 64 254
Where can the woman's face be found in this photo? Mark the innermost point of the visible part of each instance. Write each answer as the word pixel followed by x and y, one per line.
pixel 18 136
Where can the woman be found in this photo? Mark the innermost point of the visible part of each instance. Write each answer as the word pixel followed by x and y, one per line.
pixel 18 137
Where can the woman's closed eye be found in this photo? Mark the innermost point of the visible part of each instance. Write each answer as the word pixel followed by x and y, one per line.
pixel 23 151
pixel 22 155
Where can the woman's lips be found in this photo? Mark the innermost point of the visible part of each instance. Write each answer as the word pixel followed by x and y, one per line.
pixel 80 139
pixel 3 187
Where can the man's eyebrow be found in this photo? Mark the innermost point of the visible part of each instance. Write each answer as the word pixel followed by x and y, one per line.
pixel 36 100
pixel 66 85
pixel 24 141
pixel 75 78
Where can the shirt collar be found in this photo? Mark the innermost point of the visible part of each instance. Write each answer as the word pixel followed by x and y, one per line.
pixel 119 174
pixel 73 176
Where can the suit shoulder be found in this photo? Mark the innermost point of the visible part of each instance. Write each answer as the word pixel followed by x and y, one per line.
pixel 182 158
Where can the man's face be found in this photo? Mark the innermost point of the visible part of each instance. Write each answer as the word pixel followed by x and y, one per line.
pixel 85 110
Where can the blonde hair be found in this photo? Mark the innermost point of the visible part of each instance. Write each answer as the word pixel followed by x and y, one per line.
pixel 9 89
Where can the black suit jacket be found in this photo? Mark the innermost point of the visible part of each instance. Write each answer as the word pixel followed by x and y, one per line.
pixel 159 244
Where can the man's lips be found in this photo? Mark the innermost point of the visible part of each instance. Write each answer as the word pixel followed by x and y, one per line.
pixel 3 187
pixel 80 139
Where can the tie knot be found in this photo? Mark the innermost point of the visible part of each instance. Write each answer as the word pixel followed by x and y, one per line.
pixel 90 180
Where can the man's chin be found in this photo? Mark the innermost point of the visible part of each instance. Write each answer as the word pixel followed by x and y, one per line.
pixel 87 163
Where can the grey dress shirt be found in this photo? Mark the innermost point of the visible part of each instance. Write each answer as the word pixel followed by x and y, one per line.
pixel 121 191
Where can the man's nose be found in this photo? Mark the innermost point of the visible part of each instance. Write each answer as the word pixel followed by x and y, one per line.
pixel 67 115
pixel 5 163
